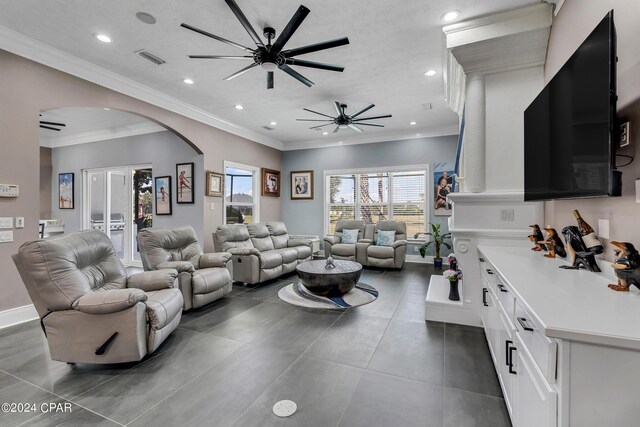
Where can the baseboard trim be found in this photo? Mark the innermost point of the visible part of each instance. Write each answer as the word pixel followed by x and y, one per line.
pixel 15 316
pixel 426 260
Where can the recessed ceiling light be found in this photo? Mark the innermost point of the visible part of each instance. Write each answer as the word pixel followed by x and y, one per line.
pixel 103 38
pixel 145 17
pixel 239 107
pixel 339 142
pixel 451 15
pixel 187 81
pixel 412 123
pixel 417 134
pixel 325 133
pixel 273 123
pixel 107 109
pixel 430 73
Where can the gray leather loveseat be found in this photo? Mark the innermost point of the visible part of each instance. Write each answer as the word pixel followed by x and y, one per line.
pixel 261 251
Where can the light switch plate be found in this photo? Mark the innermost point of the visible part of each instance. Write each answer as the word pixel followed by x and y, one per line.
pixel 6 236
pixel 637 190
pixel 6 222
pixel 19 222
pixel 603 228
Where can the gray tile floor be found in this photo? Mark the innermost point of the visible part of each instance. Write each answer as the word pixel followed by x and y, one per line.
pixel 229 362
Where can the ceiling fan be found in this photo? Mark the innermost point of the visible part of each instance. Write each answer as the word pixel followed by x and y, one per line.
pixel 271 57
pixel 344 120
pixel 51 125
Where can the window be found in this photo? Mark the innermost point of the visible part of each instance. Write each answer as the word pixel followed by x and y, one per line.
pixel 374 196
pixel 241 194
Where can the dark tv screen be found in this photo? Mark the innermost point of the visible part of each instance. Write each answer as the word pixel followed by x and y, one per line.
pixel 569 126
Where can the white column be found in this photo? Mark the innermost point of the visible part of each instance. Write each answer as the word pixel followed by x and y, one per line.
pixel 474 135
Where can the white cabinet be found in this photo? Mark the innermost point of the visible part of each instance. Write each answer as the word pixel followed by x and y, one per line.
pixel 535 399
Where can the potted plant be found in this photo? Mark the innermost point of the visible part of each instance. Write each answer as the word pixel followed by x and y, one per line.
pixel 437 241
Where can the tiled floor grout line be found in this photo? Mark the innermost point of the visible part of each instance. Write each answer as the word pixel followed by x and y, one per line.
pixel 283 372
pixel 58 396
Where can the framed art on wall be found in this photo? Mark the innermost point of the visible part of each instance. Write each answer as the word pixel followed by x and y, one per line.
pixel 163 195
pixel 302 185
pixel 215 184
pixel 270 182
pixel 184 183
pixel 65 190
pixel 443 183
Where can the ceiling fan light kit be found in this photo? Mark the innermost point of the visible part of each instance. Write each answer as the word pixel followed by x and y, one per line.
pixel 344 120
pixel 272 56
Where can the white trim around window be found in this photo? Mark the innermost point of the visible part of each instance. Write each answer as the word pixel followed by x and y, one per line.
pixel 390 170
pixel 256 190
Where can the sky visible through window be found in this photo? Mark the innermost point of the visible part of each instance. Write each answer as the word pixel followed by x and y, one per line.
pixel 241 185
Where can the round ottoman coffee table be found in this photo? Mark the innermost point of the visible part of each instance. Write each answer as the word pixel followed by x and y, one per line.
pixel 329 277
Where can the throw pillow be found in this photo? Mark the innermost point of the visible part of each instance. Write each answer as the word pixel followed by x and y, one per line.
pixel 386 238
pixel 350 236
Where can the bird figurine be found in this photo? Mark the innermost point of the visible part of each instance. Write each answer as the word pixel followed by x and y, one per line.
pixel 579 254
pixel 554 243
pixel 626 267
pixel 536 237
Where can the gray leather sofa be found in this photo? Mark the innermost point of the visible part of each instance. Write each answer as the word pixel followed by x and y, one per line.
pixel 365 251
pixel 90 311
pixel 202 278
pixel 261 251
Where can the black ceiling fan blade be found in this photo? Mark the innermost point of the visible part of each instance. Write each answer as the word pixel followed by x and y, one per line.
pixel 220 57
pixel 213 36
pixel 313 120
pixel 50 128
pixel 375 117
pixel 379 125
pixel 311 64
pixel 336 129
pixel 339 110
pixel 356 128
pixel 241 72
pixel 296 75
pixel 270 80
pixel 291 28
pixel 315 112
pixel 319 126
pixel 245 22
pixel 316 47
pixel 357 113
pixel 42 122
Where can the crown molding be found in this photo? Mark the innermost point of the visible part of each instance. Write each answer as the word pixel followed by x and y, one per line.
pixel 29 48
pixel 371 139
pixel 133 129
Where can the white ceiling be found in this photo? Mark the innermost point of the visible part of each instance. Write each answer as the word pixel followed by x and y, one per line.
pixel 392 44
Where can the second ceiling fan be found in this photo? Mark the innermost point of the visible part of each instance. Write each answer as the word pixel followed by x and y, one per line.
pixel 272 57
pixel 344 120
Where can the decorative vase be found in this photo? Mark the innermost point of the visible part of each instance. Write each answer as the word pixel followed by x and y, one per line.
pixel 453 265
pixel 453 290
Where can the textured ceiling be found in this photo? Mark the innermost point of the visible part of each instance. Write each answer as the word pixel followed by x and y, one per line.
pixel 392 44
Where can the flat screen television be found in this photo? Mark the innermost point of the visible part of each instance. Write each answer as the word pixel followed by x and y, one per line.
pixel 569 129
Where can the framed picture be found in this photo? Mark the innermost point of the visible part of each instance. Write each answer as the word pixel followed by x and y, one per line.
pixel 443 184
pixel 65 190
pixel 215 184
pixel 301 185
pixel 270 182
pixel 163 195
pixel 184 184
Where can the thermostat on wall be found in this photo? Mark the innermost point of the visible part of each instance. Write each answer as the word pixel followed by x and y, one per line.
pixel 9 190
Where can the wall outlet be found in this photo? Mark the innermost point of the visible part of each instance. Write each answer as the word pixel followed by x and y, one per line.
pixel 19 222
pixel 6 222
pixel 624 134
pixel 506 215
pixel 603 228
pixel 6 236
pixel 213 206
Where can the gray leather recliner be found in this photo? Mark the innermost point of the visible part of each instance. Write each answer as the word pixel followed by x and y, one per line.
pixel 90 311
pixel 388 256
pixel 333 246
pixel 261 251
pixel 202 278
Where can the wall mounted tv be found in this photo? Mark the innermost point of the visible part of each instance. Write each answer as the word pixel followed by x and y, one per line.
pixel 569 129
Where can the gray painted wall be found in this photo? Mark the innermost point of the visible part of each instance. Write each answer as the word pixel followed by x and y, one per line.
pixel 162 150
pixel 307 216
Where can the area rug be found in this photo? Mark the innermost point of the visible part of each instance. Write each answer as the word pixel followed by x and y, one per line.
pixel 297 294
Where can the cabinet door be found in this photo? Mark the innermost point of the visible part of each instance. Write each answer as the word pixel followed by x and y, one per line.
pixel 491 324
pixel 535 399
pixel 505 364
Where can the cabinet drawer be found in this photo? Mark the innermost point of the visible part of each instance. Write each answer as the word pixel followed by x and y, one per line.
pixel 542 349
pixel 505 297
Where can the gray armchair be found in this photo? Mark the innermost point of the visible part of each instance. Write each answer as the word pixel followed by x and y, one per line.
pixel 388 256
pixel 202 278
pixel 333 246
pixel 90 311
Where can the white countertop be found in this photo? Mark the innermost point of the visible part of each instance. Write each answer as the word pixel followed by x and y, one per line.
pixel 569 304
